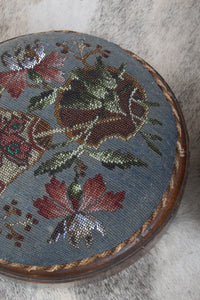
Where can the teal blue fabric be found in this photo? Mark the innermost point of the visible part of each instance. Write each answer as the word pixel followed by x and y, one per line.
pixel 144 186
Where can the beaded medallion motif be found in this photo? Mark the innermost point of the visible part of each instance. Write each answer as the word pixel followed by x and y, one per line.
pixel 78 125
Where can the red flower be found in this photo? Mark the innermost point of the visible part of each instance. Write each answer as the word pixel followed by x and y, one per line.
pixel 14 82
pixel 93 199
pixel 30 58
pixel 58 205
pixel 77 221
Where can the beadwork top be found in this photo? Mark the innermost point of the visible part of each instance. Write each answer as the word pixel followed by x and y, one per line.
pixel 90 149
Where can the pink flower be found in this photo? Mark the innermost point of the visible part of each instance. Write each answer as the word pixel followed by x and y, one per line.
pixel 30 59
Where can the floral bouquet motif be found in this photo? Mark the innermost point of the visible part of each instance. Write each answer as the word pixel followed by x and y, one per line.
pixel 94 103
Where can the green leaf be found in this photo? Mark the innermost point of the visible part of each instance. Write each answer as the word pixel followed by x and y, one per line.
pixel 80 99
pixel 34 76
pixel 104 77
pixel 153 137
pixel 92 85
pixel 154 104
pixel 154 122
pixel 153 147
pixel 111 159
pixel 42 100
pixel 99 82
pixel 92 89
pixel 121 71
pixel 58 162
pixel 111 103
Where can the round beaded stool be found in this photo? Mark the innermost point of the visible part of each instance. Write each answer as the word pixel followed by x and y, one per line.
pixel 93 156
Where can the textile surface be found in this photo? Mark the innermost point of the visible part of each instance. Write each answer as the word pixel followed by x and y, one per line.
pixel 166 36
pixel 113 167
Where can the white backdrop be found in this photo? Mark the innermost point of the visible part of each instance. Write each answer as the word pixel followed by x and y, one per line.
pixel 165 34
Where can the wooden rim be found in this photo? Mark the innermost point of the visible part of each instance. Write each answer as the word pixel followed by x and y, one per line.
pixel 87 267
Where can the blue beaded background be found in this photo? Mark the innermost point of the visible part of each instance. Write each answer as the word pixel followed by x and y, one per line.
pixel 144 186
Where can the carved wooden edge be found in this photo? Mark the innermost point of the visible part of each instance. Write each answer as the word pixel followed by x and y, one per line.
pixel 101 262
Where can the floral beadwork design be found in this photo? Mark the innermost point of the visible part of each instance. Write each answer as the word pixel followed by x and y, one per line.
pixel 12 145
pixel 104 92
pixel 97 103
pixel 30 61
pixel 78 221
pixel 20 143
pixel 93 103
